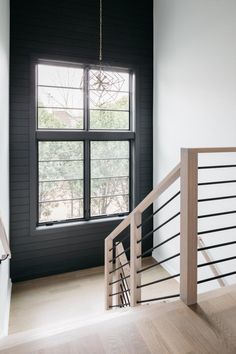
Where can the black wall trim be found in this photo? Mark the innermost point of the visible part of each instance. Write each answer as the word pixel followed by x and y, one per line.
pixel 68 31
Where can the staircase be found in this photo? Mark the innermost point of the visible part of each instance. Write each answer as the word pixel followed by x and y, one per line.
pixel 192 190
pixel 199 197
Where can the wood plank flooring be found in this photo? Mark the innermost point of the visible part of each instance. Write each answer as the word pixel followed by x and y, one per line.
pixel 60 299
pixel 207 328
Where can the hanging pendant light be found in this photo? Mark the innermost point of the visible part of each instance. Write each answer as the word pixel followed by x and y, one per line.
pixel 105 83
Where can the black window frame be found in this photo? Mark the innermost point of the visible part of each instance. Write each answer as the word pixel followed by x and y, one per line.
pixel 86 136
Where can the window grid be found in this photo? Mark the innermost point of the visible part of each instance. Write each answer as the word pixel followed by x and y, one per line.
pixel 99 135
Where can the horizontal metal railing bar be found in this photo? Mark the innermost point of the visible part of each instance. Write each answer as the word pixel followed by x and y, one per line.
pixel 156 211
pixel 216 230
pixel 216 277
pixel 215 166
pixel 216 198
pixel 159 245
pixel 120 292
pixel 157 228
pixel 117 281
pixel 147 201
pixel 156 264
pixel 217 214
pixel 123 265
pixel 159 298
pixel 217 245
pixel 216 182
pixel 217 261
pixel 120 254
pixel 158 281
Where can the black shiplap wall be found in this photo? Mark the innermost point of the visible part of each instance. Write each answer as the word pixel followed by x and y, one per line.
pixel 68 30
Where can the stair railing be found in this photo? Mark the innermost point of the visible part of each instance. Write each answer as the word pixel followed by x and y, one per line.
pixel 132 221
pixel 123 264
pixel 4 243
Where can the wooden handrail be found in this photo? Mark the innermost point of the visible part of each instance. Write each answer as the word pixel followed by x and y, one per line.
pixel 147 201
pixel 213 150
pixel 4 241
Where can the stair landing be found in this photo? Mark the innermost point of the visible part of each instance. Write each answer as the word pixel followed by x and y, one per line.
pixel 206 328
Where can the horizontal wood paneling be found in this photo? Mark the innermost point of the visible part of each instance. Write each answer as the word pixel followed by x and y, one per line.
pixel 69 31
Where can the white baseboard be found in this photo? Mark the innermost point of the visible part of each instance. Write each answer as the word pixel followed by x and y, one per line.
pixel 7 312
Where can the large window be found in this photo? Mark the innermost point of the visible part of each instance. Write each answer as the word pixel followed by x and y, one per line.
pixel 84 143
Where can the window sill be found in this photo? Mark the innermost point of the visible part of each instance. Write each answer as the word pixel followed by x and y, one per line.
pixel 75 225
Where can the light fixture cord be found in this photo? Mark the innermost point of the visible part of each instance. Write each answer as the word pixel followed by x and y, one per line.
pixel 100 48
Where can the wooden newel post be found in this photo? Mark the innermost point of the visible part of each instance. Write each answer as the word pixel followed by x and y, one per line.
pixel 108 269
pixel 135 263
pixel 188 226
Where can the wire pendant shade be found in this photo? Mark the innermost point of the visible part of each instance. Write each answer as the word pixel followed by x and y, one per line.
pixel 105 84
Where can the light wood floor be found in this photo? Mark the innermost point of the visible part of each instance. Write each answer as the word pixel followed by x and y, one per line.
pixel 70 297
pixel 208 328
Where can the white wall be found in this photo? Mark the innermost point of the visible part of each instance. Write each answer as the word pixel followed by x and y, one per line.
pixel 195 96
pixel 4 156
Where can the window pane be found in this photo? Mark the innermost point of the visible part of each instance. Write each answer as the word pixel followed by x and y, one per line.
pixel 60 150
pixel 60 169
pixel 109 99
pixel 53 75
pixel 119 185
pixel 60 97
pixel 109 119
pixel 106 100
pixel 60 118
pixel 59 211
pixel 109 177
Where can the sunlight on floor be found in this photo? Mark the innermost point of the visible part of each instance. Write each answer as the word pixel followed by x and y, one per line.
pixel 71 296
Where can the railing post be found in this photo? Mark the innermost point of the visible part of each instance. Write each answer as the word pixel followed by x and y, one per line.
pixel 188 226
pixel 135 263
pixel 108 268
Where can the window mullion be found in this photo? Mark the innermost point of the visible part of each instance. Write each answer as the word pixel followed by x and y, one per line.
pixel 86 179
pixel 86 99
pixel 86 148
